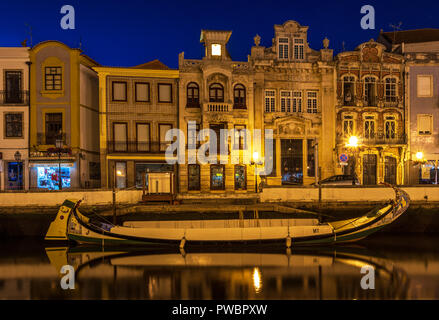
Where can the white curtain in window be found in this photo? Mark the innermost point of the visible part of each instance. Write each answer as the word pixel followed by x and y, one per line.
pixel 143 137
pixel 165 94
pixel 424 86
pixel 119 91
pixel 120 136
pixel 142 92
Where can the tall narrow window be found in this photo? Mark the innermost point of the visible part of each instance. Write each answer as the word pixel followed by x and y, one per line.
pixel 217 177
pixel 390 128
pixel 369 91
pixel 165 92
pixel 270 101
pixel 240 177
pixel 53 127
pixel 192 133
pixel 193 95
pixel 285 101
pixel 297 101
pixel 348 90
pixel 312 102
pixel 348 126
pixel 142 92
pixel 143 137
pixel 14 125
pixel 121 174
pixel 298 49
pixel 193 180
pixel 119 90
pixel 240 138
pixel 13 92
pixel 283 48
pixel 216 93
pixel 163 129
pixel 53 78
pixel 425 85
pixel 390 90
pixel 425 124
pixel 239 97
pixel 120 135
pixel 369 128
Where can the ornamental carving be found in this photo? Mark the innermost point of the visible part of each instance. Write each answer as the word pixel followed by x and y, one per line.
pixel 370 54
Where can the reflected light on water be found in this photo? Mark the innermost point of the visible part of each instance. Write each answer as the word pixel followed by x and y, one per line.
pixel 257 283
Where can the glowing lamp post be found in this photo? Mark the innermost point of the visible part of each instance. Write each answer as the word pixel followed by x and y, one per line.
pixel 255 162
pixel 119 174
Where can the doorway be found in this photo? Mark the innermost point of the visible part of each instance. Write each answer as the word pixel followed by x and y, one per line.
pixel 15 176
pixel 390 170
pixel 369 169
pixel 292 161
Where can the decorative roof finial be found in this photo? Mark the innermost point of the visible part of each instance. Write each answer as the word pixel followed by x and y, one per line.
pixel 326 43
pixel 257 40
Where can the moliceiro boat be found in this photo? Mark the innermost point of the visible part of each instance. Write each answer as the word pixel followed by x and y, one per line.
pixel 70 224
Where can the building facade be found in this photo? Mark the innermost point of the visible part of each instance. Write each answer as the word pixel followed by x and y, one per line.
pixel 14 115
pixel 64 115
pixel 138 105
pixel 370 106
pixel 295 98
pixel 216 93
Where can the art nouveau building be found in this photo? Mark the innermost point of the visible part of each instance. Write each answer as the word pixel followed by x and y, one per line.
pixel 14 118
pixel 64 115
pixel 138 105
pixel 216 93
pixel 370 106
pixel 294 97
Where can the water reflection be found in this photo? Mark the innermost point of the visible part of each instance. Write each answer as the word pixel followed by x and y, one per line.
pixel 211 273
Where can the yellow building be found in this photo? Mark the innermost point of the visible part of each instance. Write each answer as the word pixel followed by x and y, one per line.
pixel 63 118
pixel 137 106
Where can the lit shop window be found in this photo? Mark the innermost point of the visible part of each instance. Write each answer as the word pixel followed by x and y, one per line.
pixel 48 177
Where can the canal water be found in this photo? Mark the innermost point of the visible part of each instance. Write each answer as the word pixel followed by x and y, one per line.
pixel 397 266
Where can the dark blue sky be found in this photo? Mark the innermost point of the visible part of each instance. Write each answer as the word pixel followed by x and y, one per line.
pixel 131 32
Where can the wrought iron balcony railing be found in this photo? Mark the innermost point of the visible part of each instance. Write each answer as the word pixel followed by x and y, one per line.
pixel 14 97
pixel 50 138
pixel 137 147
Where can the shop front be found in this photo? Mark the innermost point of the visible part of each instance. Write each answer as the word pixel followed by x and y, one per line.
pixel 52 176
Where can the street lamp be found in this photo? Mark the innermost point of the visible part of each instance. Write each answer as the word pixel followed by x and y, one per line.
pixel 59 144
pixel 119 174
pixel 255 162
pixel 419 155
pixel 17 157
pixel 353 142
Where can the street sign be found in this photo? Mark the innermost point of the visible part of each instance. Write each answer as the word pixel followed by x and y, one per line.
pixel 343 157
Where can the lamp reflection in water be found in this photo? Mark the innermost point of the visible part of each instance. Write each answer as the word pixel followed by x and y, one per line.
pixel 257 282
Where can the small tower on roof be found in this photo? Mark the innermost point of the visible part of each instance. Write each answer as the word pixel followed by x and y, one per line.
pixel 215 42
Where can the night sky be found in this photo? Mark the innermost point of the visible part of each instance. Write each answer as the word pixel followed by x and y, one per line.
pixel 131 32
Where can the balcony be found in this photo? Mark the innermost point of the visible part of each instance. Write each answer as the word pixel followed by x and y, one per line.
pixel 377 139
pixel 137 147
pixel 49 138
pixel 217 107
pixel 18 98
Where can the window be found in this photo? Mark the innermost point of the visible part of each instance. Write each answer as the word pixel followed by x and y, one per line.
pixel 192 133
pixel 165 92
pixel 13 92
pixel 121 174
pixel 239 97
pixel 425 85
pixel 285 101
pixel 119 91
pixel 163 128
pixel 283 48
pixel 14 125
pixel 193 177
pixel 240 139
pixel 120 134
pixel 53 78
pixel 390 128
pixel 240 177
pixel 369 91
pixel 217 177
pixel 297 101
pixel 142 92
pixel 298 49
pixel 348 126
pixel 216 93
pixel 425 124
pixel 390 90
pixel 312 102
pixel 216 49
pixel 348 90
pixel 270 101
pixel 369 127
pixel 193 95
pixel 143 135
pixel 53 127
pixel 94 169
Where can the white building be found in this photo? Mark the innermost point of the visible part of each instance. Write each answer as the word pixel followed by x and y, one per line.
pixel 14 114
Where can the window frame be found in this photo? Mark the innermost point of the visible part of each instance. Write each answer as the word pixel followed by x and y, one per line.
pixel 393 84
pixel 243 104
pixel 60 68
pixel 198 188
pixel 418 121
pixel 114 138
pixel 192 100
pixel 220 88
pixel 430 76
pixel 6 136
pixel 245 176
pixel 272 101
pixel 283 48
pixel 135 92
pixel 137 136
pixel 299 44
pixel 314 107
pixel 158 92
pixel 286 101
pixel 223 187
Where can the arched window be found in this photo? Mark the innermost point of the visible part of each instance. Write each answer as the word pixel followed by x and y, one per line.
pixel 239 97
pixel 216 93
pixel 193 95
